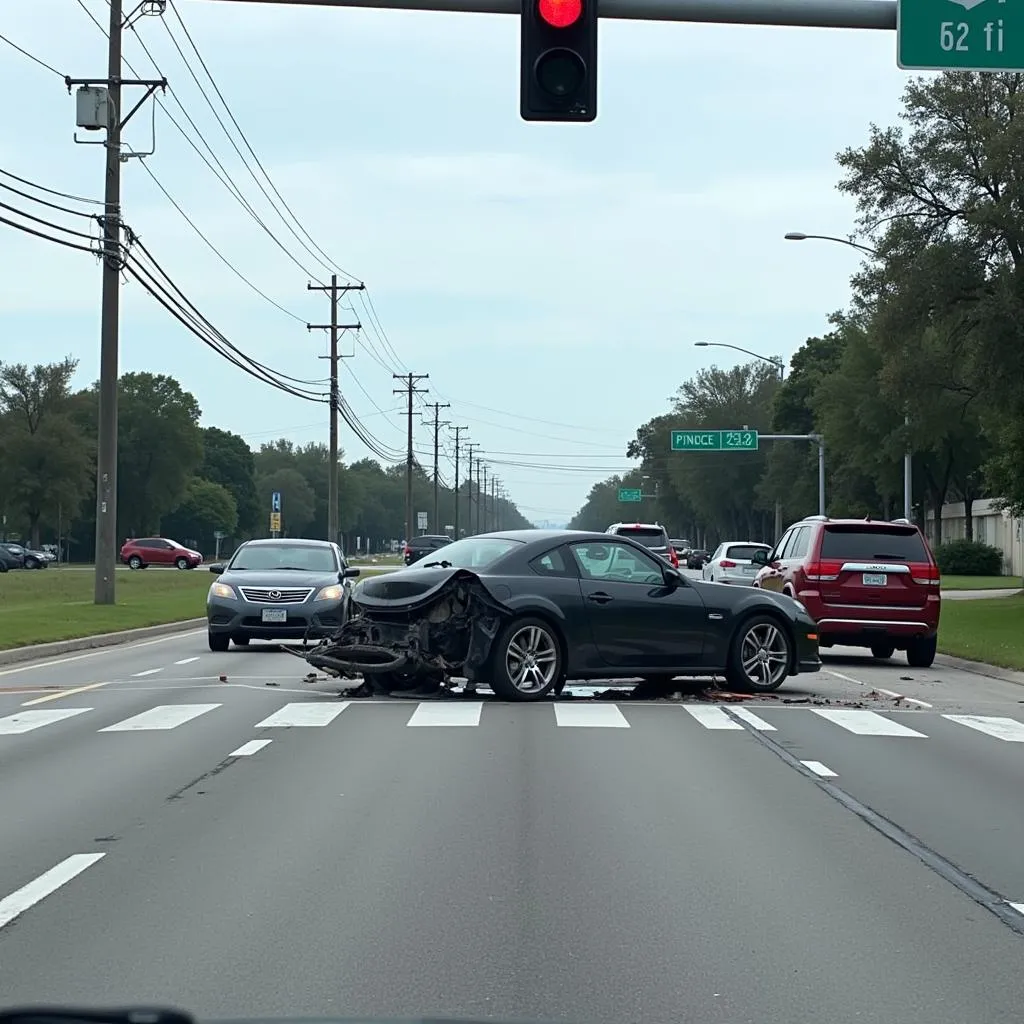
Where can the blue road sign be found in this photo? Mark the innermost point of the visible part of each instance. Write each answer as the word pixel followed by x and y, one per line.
pixel 275 502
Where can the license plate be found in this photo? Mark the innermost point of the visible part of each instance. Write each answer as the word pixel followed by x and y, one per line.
pixel 275 615
pixel 750 570
pixel 875 579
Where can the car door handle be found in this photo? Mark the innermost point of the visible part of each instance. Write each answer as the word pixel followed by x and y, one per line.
pixel 600 597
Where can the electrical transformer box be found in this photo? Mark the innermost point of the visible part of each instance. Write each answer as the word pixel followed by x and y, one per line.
pixel 92 104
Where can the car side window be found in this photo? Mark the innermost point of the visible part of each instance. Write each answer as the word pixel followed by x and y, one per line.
pixel 552 563
pixel 617 563
pixel 801 542
pixel 780 549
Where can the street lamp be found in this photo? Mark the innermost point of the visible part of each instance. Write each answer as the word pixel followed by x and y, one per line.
pixel 781 367
pixel 908 465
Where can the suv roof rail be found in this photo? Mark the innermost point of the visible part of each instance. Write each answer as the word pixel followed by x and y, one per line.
pixel 814 519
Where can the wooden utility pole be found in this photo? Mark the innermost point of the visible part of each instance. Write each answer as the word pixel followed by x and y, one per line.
pixel 410 390
pixel 335 291
pixel 437 423
pixel 457 431
pixel 474 449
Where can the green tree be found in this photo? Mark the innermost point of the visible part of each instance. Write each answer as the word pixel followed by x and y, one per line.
pixel 602 507
pixel 228 461
pixel 207 508
pixel 45 461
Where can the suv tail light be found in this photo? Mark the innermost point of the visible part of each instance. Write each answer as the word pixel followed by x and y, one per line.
pixel 823 572
pixel 926 575
pixel 726 564
pixel 673 557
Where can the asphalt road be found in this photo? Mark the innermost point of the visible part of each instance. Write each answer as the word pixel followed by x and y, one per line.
pixel 258 846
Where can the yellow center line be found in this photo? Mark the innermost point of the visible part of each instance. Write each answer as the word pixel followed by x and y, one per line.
pixel 63 693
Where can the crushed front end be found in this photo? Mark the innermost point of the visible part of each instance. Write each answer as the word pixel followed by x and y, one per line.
pixel 408 629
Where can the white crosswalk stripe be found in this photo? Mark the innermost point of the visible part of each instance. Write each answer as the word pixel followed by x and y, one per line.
pixel 590 716
pixel 866 723
pixel 26 721
pixel 1006 729
pixel 303 715
pixel 711 717
pixel 166 716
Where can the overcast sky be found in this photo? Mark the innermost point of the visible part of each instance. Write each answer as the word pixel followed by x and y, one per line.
pixel 551 279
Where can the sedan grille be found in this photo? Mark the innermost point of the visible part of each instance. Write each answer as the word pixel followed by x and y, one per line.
pixel 276 595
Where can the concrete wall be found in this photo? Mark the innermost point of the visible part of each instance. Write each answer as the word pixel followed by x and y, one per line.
pixel 990 527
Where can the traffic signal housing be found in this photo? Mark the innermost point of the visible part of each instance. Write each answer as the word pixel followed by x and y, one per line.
pixel 558 65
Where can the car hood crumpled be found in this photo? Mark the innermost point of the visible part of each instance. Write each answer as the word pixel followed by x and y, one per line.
pixel 413 588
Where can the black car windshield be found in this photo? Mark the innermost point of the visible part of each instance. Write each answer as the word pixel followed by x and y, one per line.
pixel 300 557
pixel 858 544
pixel 469 553
pixel 651 538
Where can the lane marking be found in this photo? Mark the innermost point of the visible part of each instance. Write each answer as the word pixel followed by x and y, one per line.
pixel 147 672
pixel 1019 907
pixel 866 723
pixel 848 679
pixel 63 693
pixel 1006 729
pixel 820 770
pixel 445 715
pixel 47 883
pixel 186 661
pixel 590 716
pixel 26 721
pixel 109 649
pixel 303 715
pixel 754 721
pixel 880 689
pixel 250 748
pixel 165 716
pixel 711 717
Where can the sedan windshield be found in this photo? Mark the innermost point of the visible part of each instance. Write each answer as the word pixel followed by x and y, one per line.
pixel 301 557
pixel 469 553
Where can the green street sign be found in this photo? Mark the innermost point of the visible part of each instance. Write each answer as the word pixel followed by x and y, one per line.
pixel 959 35
pixel 714 441
pixel 630 494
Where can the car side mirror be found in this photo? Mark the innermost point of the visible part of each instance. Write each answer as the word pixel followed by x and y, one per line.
pixel 217 568
pixel 673 578
pixel 350 572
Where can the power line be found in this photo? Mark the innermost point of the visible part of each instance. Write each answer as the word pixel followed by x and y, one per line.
pixel 44 202
pixel 31 56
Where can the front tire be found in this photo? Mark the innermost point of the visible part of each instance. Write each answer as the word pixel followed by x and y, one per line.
pixel 760 655
pixel 240 641
pixel 182 563
pixel 219 642
pixel 921 651
pixel 527 662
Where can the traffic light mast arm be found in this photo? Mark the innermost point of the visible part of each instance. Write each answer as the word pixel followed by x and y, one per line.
pixel 867 14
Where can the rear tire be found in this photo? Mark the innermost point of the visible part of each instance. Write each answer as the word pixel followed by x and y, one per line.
pixel 921 651
pixel 883 651
pixel 760 655
pixel 135 562
pixel 219 642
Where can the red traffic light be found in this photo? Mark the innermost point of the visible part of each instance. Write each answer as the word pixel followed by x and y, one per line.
pixel 560 13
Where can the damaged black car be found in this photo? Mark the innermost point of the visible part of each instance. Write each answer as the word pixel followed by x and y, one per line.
pixel 523 611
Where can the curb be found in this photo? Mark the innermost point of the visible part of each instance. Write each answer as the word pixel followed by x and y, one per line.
pixel 980 668
pixel 38 652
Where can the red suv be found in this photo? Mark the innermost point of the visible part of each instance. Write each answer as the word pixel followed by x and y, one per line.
pixel 158 551
pixel 866 583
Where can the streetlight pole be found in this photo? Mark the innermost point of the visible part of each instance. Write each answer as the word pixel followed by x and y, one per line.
pixel 908 455
pixel 781 367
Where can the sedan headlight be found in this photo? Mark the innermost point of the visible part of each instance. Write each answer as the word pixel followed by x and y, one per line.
pixel 223 590
pixel 331 593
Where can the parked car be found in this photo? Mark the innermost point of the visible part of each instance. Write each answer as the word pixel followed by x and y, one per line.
pixel 867 583
pixel 27 558
pixel 7 560
pixel 279 590
pixel 653 536
pixel 419 547
pixel 146 551
pixel 525 610
pixel 732 563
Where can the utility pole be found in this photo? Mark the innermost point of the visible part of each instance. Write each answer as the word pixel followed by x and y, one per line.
pixel 437 424
pixel 410 389
pixel 104 591
pixel 494 504
pixel 335 291
pixel 479 493
pixel 474 449
pixel 457 431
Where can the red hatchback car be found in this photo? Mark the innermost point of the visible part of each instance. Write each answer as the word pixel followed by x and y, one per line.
pixel 145 551
pixel 866 583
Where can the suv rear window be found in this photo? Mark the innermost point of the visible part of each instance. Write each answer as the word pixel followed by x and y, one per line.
pixel 650 538
pixel 745 550
pixel 858 544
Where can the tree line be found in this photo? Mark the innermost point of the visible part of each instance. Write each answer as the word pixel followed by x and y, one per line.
pixel 927 358
pixel 179 479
